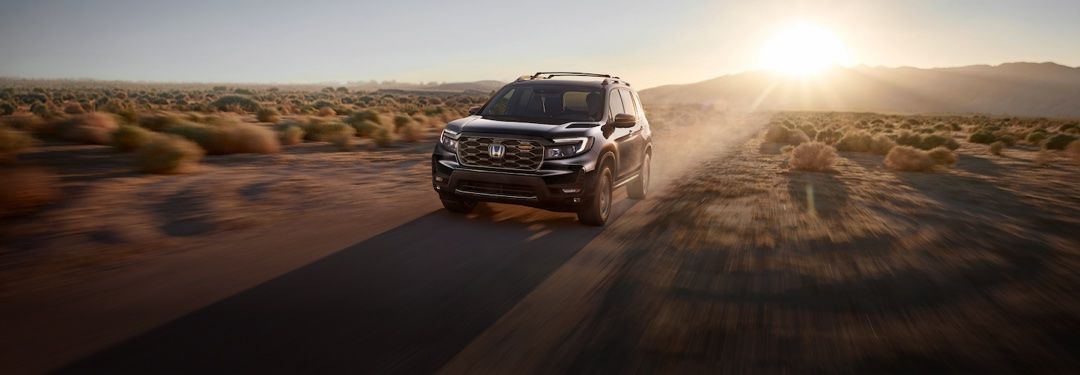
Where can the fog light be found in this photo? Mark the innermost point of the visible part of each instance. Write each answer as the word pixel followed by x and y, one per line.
pixel 576 200
pixel 437 187
pixel 439 179
pixel 571 190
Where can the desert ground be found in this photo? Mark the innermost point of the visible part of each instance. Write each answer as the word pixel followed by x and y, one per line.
pixel 800 241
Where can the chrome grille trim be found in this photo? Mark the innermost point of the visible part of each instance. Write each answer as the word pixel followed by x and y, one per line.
pixel 520 155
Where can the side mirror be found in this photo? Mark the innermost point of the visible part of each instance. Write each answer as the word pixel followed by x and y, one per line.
pixel 474 110
pixel 625 120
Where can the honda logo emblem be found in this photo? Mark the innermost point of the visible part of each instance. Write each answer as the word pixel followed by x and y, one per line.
pixel 496 150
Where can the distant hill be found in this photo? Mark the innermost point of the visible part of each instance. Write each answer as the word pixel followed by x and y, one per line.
pixel 1022 89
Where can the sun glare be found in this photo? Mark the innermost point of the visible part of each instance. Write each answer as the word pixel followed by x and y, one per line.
pixel 803 50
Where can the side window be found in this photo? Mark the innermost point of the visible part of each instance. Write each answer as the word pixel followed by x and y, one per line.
pixel 615 103
pixel 502 105
pixel 637 104
pixel 628 103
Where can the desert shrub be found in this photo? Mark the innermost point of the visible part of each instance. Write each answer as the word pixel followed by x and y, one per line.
pixel 401 121
pixel 782 135
pixel 365 128
pixel 1036 136
pixel 942 156
pixel 365 115
pixel 267 115
pixel 91 128
pixel 342 137
pixel 907 158
pixel 13 142
pixel 809 130
pixel 291 135
pixel 411 132
pixel 1059 141
pixel 828 136
pixel 932 141
pixel 855 141
pixel 7 109
pixel 327 111
pixel 881 144
pixel 323 130
pixel 996 147
pixel 234 102
pixel 1008 140
pixel 983 137
pixel 908 138
pixel 167 154
pixel 158 121
pixel 382 137
pixel 812 156
pixel 73 108
pixel 1073 150
pixel 24 189
pixel 224 136
pixel 129 138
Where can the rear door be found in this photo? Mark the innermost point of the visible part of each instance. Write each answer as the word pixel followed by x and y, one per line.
pixel 634 141
pixel 620 135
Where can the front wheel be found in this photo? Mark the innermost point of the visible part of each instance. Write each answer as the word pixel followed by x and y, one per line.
pixel 459 206
pixel 638 188
pixel 598 207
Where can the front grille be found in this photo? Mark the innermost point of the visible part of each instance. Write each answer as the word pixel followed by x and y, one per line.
pixel 492 188
pixel 520 154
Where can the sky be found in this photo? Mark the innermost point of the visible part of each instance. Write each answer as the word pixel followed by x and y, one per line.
pixel 649 42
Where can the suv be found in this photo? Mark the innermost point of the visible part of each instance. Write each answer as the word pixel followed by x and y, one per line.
pixel 556 144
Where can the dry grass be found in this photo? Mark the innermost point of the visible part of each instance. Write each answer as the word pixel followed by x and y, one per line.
pixel 168 154
pixel 813 156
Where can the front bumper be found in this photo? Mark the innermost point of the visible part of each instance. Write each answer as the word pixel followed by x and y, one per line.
pixel 559 185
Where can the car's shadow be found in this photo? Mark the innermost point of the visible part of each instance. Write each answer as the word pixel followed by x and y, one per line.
pixel 404 301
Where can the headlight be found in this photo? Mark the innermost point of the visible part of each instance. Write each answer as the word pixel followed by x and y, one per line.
pixel 568 147
pixel 449 140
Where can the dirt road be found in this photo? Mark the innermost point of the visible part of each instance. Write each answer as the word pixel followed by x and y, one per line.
pixel 736 264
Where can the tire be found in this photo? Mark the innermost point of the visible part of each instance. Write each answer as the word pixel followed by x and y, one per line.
pixel 639 187
pixel 458 206
pixel 598 208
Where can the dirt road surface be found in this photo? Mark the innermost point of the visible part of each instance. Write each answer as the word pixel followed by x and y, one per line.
pixel 735 264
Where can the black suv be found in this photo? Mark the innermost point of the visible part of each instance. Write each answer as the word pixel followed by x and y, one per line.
pixel 556 144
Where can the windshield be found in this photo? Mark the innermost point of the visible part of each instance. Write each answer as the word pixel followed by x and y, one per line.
pixel 547 104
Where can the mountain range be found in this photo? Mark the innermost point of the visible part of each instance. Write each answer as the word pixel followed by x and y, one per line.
pixel 1019 89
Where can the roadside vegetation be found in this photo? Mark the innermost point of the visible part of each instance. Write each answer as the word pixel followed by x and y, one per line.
pixel 219 120
pixel 918 143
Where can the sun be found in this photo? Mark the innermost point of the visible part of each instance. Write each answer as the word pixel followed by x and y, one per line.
pixel 803 49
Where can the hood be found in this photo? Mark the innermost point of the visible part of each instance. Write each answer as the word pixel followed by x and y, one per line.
pixel 477 124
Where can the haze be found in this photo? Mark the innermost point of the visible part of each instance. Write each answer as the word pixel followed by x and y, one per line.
pixel 651 42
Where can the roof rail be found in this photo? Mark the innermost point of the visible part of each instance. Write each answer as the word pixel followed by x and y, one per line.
pixel 608 79
pixel 549 75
